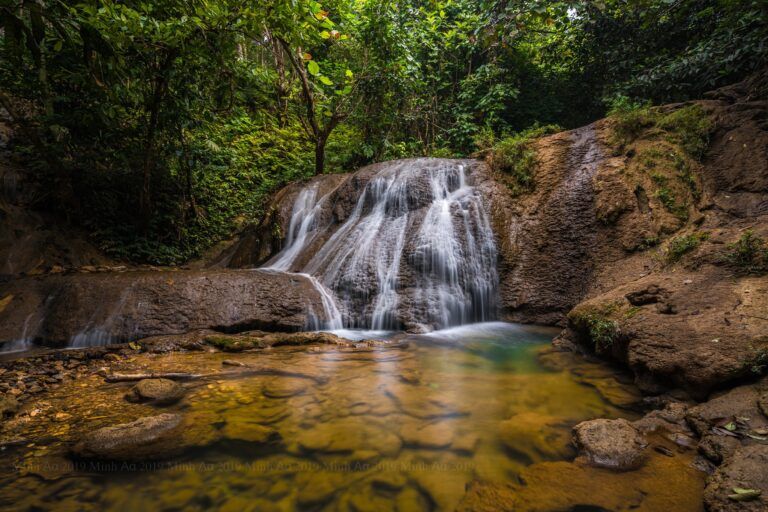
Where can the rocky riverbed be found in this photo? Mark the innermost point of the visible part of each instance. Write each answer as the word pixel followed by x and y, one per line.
pixel 314 421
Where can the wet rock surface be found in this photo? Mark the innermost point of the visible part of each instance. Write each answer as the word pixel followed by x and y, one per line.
pixel 156 392
pixel 117 307
pixel 613 444
pixel 537 435
pixel 740 483
pixel 695 323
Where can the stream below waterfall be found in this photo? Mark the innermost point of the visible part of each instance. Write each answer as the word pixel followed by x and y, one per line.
pixel 403 428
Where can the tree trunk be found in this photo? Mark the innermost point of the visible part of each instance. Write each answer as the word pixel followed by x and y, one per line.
pixel 158 94
pixel 320 156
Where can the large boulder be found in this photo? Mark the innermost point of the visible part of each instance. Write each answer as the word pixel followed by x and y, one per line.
pixel 111 307
pixel 613 444
pixel 687 328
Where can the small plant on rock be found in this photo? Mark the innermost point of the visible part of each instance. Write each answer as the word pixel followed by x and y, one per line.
pixel 682 245
pixel 597 323
pixel 748 255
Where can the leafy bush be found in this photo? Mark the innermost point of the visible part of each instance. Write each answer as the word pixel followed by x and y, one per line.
pixel 749 255
pixel 682 245
pixel 514 157
pixel 596 322
pixel 233 167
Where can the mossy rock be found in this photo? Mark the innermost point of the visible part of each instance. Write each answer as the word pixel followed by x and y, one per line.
pixel 228 343
pixel 597 323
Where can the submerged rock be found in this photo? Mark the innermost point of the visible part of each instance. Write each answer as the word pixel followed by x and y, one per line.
pixel 8 406
pixel 613 444
pixel 536 436
pixel 284 387
pixel 340 436
pixel 665 483
pixel 434 436
pixel 156 392
pixel 250 432
pixel 148 438
pixel 488 497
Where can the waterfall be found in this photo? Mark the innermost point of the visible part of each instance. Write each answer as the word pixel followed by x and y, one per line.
pixel 302 224
pixel 301 227
pixel 416 251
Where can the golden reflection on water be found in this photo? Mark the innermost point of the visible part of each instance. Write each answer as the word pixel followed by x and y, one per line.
pixel 403 430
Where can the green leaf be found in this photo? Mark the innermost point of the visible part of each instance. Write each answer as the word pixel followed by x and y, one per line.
pixel 325 34
pixel 740 494
pixel 324 79
pixel 313 68
pixel 349 74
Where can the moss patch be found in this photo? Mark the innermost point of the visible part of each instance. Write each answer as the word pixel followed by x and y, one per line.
pixel 228 343
pixel 513 158
pixel 682 245
pixel 689 128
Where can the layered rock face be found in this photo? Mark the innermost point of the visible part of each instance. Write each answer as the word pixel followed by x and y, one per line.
pixel 110 307
pixel 627 245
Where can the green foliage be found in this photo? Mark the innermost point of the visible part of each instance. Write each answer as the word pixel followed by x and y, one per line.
pixel 597 323
pixel 748 255
pixel 514 156
pixel 164 126
pixel 682 245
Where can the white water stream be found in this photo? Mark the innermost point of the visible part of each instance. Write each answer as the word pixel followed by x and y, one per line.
pixel 417 248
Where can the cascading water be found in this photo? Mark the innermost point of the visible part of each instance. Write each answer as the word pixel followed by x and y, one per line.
pixel 302 225
pixel 300 231
pixel 416 251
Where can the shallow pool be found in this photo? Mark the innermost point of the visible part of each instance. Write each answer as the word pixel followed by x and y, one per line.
pixel 403 428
